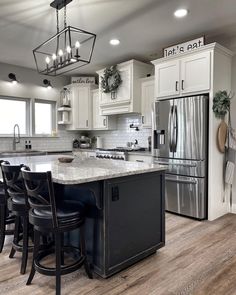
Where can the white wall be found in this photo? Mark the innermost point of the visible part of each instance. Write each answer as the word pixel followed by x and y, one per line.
pixel 31 86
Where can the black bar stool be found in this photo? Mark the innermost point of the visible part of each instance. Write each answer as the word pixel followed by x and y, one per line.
pixel 46 217
pixel 6 217
pixel 17 204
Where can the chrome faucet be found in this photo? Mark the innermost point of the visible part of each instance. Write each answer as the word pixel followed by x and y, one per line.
pixel 16 139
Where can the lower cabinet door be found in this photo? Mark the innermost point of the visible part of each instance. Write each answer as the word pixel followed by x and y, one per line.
pixel 186 196
pixel 135 216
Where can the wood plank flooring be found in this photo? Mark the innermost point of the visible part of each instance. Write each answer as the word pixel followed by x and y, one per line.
pixel 199 258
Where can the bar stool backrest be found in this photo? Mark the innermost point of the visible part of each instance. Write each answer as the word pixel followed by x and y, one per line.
pixel 13 180
pixel 40 191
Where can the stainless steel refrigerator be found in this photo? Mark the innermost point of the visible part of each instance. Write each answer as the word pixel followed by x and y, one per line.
pixel 179 141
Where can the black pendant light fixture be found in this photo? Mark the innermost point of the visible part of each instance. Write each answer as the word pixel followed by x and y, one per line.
pixel 67 50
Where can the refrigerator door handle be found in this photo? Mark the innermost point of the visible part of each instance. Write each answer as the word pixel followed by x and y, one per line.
pixel 181 180
pixel 176 164
pixel 170 129
pixel 175 128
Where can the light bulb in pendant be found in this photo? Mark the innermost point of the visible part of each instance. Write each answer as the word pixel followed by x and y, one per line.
pixel 47 59
pixel 68 49
pixel 60 52
pixel 77 46
pixel 54 58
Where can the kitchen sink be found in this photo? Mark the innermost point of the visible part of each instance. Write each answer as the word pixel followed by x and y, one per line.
pixel 21 153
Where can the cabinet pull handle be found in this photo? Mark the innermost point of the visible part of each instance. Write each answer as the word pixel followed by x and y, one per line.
pixel 104 122
pixel 140 161
pixel 142 119
pixel 176 86
pixel 86 123
pixel 182 85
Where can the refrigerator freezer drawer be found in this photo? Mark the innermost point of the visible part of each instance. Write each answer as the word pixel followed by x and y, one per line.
pixel 186 196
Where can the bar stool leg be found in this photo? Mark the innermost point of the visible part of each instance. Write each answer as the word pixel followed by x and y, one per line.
pixel 35 253
pixel 2 226
pixel 58 262
pixel 25 245
pixel 62 252
pixel 84 253
pixel 16 236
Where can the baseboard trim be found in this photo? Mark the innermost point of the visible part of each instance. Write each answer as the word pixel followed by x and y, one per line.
pixel 233 208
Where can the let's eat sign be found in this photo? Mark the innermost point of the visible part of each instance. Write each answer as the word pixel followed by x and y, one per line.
pixel 184 47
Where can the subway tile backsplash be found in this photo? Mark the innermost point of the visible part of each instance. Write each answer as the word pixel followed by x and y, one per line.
pixel 61 143
pixel 111 139
pixel 124 133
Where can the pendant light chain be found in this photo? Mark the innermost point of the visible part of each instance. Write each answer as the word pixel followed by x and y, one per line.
pixel 65 25
pixel 58 37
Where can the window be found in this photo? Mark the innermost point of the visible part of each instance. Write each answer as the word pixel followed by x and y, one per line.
pixel 14 111
pixel 44 117
pixel 35 117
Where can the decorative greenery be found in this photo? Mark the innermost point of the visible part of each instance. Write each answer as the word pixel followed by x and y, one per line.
pixel 221 103
pixel 110 80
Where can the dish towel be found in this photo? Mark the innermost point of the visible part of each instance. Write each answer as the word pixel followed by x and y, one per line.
pixel 230 159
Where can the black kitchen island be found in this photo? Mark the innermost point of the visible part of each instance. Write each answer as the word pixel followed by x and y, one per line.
pixel 126 220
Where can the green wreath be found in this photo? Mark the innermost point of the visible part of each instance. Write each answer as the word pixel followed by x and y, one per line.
pixel 110 80
pixel 221 103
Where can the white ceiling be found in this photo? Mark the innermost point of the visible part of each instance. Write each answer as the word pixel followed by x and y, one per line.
pixel 144 27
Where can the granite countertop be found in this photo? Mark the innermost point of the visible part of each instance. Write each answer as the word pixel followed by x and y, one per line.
pixel 87 170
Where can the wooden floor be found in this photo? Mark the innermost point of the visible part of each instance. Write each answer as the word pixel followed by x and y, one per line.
pixel 199 258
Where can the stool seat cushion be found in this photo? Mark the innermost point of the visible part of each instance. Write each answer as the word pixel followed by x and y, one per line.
pixel 67 212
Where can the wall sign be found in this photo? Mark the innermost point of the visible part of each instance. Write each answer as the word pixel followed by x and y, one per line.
pixel 83 80
pixel 184 47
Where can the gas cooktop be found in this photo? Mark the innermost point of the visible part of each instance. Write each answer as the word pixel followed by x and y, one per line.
pixel 122 149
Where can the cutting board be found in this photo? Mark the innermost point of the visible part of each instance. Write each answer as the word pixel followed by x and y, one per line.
pixel 221 136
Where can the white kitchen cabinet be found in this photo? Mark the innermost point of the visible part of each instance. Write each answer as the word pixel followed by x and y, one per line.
pixel 127 98
pixel 195 73
pixel 147 99
pixel 100 122
pixel 81 106
pixel 167 79
pixel 182 75
pixel 140 158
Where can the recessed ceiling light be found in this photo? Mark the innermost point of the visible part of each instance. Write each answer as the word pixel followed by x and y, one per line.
pixel 114 42
pixel 181 12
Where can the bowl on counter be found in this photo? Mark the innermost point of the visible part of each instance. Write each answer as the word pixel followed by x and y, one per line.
pixel 65 159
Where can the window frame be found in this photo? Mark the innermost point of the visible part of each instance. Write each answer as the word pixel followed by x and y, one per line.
pixel 53 103
pixel 30 116
pixel 27 113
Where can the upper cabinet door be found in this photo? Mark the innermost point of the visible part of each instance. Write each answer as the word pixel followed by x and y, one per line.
pixel 99 121
pixel 167 79
pixel 147 100
pixel 83 110
pixel 195 73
